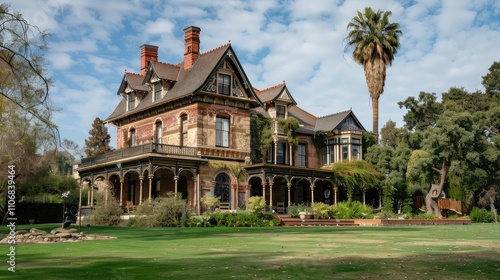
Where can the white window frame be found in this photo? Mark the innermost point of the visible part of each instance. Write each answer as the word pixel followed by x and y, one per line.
pixel 222 131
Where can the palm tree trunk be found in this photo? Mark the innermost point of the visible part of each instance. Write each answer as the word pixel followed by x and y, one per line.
pixel 375 114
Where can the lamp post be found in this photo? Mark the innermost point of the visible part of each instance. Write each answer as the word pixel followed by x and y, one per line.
pixel 64 195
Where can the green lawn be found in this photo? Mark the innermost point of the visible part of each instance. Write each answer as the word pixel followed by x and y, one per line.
pixel 426 252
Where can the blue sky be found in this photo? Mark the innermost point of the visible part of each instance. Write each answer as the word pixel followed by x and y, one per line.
pixel 444 44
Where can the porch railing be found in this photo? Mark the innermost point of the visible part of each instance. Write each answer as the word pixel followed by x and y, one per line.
pixel 139 150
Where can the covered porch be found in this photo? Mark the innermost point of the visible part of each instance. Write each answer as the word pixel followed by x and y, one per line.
pixel 144 172
pixel 282 186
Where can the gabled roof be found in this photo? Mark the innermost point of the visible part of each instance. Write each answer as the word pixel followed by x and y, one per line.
pixel 132 81
pixel 188 82
pixel 307 121
pixel 162 70
pixel 338 121
pixel 277 92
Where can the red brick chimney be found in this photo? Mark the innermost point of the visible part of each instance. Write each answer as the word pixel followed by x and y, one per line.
pixel 191 45
pixel 148 53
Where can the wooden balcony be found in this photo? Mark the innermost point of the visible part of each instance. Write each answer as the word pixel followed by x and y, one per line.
pixel 141 150
pixel 276 128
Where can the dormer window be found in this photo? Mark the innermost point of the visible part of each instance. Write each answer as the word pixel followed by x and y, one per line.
pixel 224 84
pixel 131 101
pixel 157 88
pixel 280 111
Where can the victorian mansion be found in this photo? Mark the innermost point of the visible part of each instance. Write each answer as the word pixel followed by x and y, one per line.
pixel 177 123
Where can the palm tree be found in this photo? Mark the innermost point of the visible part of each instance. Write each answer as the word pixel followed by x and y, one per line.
pixel 375 41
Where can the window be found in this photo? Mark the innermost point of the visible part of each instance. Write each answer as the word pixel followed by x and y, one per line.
pixel 302 154
pixel 222 132
pixel 280 111
pixel 222 187
pixel 345 148
pixel 325 152
pixel 281 153
pixel 224 84
pixel 158 132
pixel 184 130
pixel 131 101
pixel 157 91
pixel 356 148
pixel 329 150
pixel 270 154
pixel 133 139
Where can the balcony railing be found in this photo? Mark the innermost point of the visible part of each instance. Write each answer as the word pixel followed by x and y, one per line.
pixel 276 128
pixel 139 150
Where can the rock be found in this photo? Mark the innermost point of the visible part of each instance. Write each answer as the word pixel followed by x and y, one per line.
pixel 21 231
pixel 37 231
pixel 64 234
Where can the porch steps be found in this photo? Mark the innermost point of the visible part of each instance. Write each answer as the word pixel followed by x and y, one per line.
pixel 287 221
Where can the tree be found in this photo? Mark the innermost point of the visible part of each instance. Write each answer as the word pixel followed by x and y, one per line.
pixel 98 141
pixel 391 135
pixel 28 138
pixel 261 137
pixel 422 112
pixel 23 78
pixel 491 81
pixel 358 173
pixel 376 42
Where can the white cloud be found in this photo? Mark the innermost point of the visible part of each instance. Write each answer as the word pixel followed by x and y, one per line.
pixel 444 44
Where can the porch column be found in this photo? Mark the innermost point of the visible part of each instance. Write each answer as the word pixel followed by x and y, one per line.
pixel 236 194
pixel 271 194
pixel 312 195
pixel 89 193
pixel 289 186
pixel 264 190
pixel 150 185
pixel 121 192
pixel 176 178
pixel 91 188
pixel 247 193
pixel 233 194
pixel 335 191
pixel 275 152
pixel 197 193
pixel 140 189
pixel 291 155
pixel 380 199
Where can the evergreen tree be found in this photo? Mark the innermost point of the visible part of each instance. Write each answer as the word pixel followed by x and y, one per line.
pixel 98 141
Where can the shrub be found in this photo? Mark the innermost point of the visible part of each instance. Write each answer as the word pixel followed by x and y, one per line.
pixel 479 215
pixel 163 211
pixel 384 214
pixel 295 209
pixel 228 219
pixel 210 201
pixel 350 210
pixel 106 212
pixel 199 221
pixel 322 210
pixel 256 205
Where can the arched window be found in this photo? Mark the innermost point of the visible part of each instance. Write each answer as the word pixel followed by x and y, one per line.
pixel 133 140
pixel 158 132
pixel 222 182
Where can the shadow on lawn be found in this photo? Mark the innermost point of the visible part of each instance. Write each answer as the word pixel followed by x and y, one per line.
pixel 262 265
